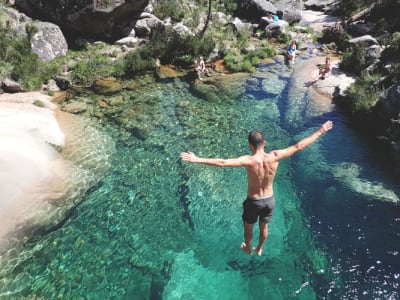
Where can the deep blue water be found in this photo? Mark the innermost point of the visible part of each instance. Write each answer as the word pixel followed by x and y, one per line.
pixel 158 228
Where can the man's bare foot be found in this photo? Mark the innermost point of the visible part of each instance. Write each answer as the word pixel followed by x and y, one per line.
pixel 258 251
pixel 246 249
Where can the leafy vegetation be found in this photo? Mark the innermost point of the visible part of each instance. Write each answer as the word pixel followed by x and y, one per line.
pixel 94 66
pixel 284 38
pixel 246 61
pixel 364 93
pixel 171 8
pixel 353 59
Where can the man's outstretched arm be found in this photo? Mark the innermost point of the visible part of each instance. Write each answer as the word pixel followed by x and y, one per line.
pixel 217 162
pixel 289 151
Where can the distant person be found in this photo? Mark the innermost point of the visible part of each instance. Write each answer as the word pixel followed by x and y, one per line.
pixel 201 68
pixel 326 68
pixel 291 51
pixel 261 168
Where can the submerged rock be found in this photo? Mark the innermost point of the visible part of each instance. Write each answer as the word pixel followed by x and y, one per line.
pixel 107 86
pixel 222 88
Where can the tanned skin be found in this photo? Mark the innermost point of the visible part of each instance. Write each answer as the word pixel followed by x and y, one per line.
pixel 261 168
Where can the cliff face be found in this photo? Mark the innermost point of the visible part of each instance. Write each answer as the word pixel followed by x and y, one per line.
pixel 85 17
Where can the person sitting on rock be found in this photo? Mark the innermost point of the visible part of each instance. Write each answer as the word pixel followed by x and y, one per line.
pixel 326 68
pixel 201 67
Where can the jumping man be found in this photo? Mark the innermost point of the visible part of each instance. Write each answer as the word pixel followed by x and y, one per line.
pixel 261 168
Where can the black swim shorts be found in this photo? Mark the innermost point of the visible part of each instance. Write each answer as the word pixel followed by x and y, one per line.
pixel 254 208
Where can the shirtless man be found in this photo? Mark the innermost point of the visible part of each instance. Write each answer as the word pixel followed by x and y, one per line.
pixel 261 168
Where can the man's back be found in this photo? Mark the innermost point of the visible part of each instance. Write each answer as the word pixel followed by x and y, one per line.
pixel 260 175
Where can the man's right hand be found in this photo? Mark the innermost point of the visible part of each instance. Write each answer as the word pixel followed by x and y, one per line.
pixel 188 156
pixel 326 127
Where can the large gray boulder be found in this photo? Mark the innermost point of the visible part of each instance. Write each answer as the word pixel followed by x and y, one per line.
pixel 85 17
pixel 49 42
pixel 276 28
pixel 148 25
pixel 254 10
pixel 291 10
pixel 11 86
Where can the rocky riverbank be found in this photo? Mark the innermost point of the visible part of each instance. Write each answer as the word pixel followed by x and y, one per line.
pixel 49 160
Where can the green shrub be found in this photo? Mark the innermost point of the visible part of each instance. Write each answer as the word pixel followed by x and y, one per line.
pixel 137 62
pixel 284 38
pixel 353 60
pixel 247 65
pixel 242 39
pixel 227 6
pixel 393 52
pixel 182 51
pixel 254 60
pixel 268 49
pixel 364 93
pixel 5 69
pixel 95 66
pixel 169 8
pixel 236 61
pixel 233 60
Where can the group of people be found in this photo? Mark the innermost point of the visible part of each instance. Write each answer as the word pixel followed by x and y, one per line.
pixel 324 69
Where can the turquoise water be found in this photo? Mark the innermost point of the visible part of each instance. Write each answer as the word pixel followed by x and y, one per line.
pixel 158 228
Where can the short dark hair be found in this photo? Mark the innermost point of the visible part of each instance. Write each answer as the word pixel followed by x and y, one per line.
pixel 256 138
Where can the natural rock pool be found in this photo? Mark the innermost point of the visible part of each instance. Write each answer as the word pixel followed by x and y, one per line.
pixel 158 228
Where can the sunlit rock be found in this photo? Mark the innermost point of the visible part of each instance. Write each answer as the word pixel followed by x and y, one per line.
pixel 49 160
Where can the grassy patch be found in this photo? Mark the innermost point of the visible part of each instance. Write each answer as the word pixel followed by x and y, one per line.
pixel 38 103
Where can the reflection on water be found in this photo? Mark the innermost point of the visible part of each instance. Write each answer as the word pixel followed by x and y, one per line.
pixel 158 228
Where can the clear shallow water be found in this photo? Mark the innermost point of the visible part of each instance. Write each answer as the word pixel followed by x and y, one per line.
pixel 158 228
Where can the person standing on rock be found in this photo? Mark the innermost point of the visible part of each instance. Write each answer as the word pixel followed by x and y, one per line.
pixel 291 51
pixel 261 168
